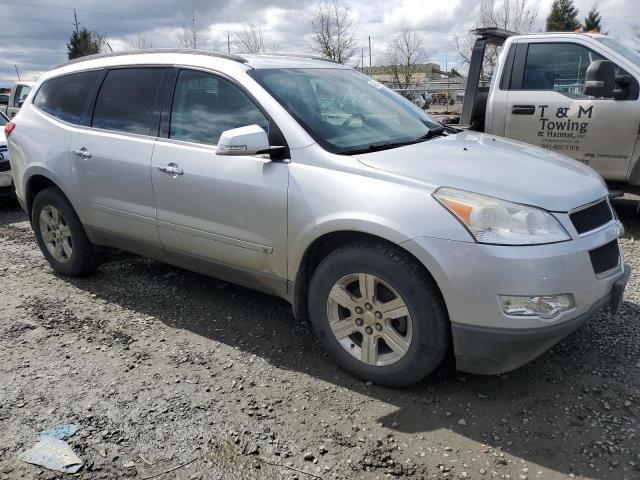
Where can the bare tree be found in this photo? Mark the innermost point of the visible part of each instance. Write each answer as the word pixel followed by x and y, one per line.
pixel 187 35
pixel 514 15
pixel 251 40
pixel 405 54
pixel 139 41
pixel 333 32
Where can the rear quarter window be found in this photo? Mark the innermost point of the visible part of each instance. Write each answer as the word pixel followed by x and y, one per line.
pixel 65 97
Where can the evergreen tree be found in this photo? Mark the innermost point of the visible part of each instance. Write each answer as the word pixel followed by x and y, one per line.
pixel 563 17
pixel 593 21
pixel 83 43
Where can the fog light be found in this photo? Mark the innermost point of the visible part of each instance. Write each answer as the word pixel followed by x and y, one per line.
pixel 544 306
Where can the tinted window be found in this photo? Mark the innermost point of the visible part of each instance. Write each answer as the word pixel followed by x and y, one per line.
pixel 205 105
pixel 21 94
pixel 65 97
pixel 126 100
pixel 560 67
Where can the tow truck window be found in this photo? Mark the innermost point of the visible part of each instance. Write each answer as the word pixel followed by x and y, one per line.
pixel 21 94
pixel 558 67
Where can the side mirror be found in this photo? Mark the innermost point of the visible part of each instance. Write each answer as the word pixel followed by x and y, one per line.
pixel 600 79
pixel 20 103
pixel 250 140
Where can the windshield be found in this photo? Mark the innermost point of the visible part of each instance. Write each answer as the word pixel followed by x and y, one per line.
pixel 347 112
pixel 626 52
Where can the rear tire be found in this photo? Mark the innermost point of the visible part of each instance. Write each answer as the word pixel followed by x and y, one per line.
pixel 60 234
pixel 396 332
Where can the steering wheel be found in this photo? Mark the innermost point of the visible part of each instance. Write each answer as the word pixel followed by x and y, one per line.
pixel 351 117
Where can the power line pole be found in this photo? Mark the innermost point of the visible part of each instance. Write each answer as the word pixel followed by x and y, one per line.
pixel 370 69
pixel 75 19
pixel 362 60
pixel 228 44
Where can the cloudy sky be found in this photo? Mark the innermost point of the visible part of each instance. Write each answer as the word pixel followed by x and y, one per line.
pixel 35 32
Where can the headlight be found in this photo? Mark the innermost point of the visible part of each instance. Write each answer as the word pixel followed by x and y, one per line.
pixel 495 221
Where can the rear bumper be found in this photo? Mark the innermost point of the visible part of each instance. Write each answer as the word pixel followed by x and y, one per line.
pixel 490 351
pixel 6 184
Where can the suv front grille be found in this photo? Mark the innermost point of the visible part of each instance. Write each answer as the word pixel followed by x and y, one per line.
pixel 606 257
pixel 591 217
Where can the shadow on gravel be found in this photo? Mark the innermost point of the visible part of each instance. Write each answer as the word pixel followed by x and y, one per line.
pixel 562 411
pixel 10 212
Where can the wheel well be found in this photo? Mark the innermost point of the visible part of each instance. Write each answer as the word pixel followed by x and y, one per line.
pixel 323 246
pixel 35 185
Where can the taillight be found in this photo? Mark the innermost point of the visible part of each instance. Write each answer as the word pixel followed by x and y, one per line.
pixel 8 128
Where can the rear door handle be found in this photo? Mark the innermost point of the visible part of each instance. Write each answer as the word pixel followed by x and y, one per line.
pixel 171 169
pixel 82 153
pixel 523 110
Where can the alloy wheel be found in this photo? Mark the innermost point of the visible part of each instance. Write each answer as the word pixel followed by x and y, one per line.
pixel 369 319
pixel 56 234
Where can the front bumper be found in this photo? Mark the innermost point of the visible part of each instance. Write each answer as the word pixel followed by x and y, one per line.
pixel 490 351
pixel 471 276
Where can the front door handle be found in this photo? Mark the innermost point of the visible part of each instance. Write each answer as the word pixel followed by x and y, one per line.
pixel 171 169
pixel 523 110
pixel 82 153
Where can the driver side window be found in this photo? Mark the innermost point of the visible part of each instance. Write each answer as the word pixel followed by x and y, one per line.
pixel 205 105
pixel 558 67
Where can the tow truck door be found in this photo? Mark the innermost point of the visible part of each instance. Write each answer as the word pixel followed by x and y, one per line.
pixel 546 107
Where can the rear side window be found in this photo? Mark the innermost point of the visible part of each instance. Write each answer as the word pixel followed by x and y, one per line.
pixel 65 97
pixel 126 100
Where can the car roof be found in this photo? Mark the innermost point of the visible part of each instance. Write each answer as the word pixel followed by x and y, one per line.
pixel 196 58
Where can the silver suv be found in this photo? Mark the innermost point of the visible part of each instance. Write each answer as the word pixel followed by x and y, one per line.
pixel 399 238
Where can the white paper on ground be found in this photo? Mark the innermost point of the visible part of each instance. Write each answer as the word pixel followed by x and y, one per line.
pixel 53 454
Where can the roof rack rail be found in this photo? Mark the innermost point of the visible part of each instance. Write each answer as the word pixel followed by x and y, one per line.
pixel 210 53
pixel 301 55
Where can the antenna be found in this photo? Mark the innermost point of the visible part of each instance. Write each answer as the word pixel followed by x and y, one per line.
pixel 17 72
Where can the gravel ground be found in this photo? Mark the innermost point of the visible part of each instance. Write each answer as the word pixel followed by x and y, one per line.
pixel 162 367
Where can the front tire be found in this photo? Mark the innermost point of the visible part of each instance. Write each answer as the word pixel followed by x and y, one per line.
pixel 378 314
pixel 60 234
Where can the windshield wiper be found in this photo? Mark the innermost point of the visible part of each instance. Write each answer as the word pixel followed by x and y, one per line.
pixel 432 133
pixel 377 147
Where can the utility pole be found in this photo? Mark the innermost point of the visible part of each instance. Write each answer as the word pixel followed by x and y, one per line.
pixel 370 69
pixel 228 44
pixel 362 60
pixel 75 19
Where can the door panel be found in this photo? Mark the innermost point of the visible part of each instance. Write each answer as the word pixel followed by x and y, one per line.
pixel 225 210
pixel 222 209
pixel 111 161
pixel 115 182
pixel 549 109
pixel 590 131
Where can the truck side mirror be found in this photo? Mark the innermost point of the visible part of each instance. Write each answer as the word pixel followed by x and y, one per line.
pixel 600 79
pixel 20 103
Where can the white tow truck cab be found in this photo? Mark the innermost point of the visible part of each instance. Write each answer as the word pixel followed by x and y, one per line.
pixel 573 93
pixel 18 95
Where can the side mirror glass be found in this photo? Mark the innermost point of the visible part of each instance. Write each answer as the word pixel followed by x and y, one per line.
pixel 600 79
pixel 250 140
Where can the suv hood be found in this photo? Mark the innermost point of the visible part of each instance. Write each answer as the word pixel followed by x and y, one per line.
pixel 494 166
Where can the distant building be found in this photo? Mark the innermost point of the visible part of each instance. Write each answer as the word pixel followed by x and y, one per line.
pixel 427 71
